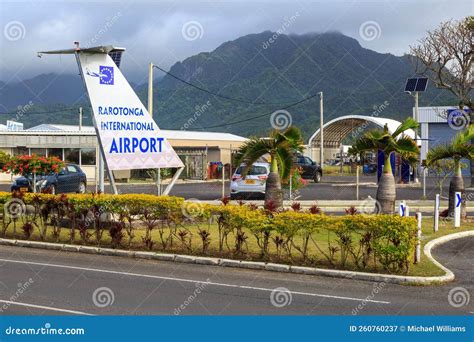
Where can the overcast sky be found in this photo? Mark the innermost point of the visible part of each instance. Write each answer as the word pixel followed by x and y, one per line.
pixel 169 31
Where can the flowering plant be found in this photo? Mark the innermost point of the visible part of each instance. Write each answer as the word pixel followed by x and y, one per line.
pixel 25 164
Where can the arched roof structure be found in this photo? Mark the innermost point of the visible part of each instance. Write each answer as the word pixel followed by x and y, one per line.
pixel 336 130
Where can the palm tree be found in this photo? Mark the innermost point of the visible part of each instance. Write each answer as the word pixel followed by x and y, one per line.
pixel 396 142
pixel 459 148
pixel 281 146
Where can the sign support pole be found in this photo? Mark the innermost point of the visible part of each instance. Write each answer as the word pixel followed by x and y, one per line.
pixel 101 148
pixel 173 180
pixel 457 209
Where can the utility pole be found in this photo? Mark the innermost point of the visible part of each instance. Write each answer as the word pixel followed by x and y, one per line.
pixel 415 171
pixel 321 133
pixel 150 110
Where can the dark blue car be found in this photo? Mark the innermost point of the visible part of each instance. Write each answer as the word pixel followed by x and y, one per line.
pixel 70 179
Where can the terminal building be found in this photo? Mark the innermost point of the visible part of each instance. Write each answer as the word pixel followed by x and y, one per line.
pixel 74 144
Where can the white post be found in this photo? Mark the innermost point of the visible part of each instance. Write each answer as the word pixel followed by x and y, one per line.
pixel 418 238
pixel 457 209
pixel 436 213
pixel 407 210
pixel 80 118
pixel 424 183
pixel 101 173
pixel 173 180
pixel 321 133
pixel 223 181
pixel 357 182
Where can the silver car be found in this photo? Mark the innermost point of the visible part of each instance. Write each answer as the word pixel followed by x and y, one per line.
pixel 253 184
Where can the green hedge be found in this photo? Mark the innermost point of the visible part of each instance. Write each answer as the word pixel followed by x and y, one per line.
pixel 166 223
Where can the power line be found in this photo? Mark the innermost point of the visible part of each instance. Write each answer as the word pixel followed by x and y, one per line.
pixel 259 116
pixel 19 112
pixel 219 95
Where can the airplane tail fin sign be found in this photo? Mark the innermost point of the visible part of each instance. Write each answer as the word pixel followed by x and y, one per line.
pixel 129 136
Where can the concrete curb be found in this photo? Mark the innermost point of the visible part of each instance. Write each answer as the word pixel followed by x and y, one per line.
pixel 387 278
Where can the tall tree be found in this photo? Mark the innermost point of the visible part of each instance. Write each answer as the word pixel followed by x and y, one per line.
pixel 389 143
pixel 446 57
pixel 281 147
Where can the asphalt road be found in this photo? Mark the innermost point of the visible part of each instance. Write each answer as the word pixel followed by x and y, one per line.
pixel 62 283
pixel 331 188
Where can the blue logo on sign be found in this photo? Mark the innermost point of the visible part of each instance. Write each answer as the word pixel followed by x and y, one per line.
pixel 105 75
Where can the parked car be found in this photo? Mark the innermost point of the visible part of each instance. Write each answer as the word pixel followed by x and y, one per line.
pixel 253 184
pixel 311 169
pixel 70 179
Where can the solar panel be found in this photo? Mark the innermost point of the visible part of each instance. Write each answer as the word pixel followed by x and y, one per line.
pixel 116 57
pixel 411 84
pixel 421 84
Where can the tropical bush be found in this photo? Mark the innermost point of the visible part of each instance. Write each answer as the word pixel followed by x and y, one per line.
pixel 26 164
pixel 165 223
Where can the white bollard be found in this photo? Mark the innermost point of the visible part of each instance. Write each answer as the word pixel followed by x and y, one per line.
pixel 457 209
pixel 407 210
pixel 418 237
pixel 436 213
pixel 401 208
pixel 223 181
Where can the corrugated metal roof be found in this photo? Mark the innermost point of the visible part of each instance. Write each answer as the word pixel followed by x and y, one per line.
pixel 168 134
pixel 337 129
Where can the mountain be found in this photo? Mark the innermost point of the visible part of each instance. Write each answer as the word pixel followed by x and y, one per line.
pixel 260 68
pixel 43 89
pixel 354 80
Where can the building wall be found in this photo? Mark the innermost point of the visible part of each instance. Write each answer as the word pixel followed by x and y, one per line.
pixel 217 150
pixel 435 130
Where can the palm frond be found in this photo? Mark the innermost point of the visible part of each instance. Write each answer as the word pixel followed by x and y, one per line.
pixel 409 123
pixel 406 144
pixel 439 152
pixel 251 151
